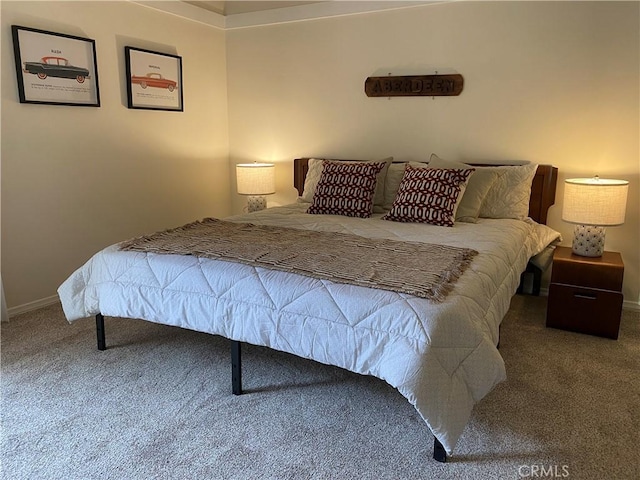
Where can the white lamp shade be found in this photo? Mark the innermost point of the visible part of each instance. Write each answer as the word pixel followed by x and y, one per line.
pixel 256 178
pixel 595 201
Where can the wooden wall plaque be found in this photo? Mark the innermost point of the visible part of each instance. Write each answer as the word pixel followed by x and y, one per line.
pixel 414 86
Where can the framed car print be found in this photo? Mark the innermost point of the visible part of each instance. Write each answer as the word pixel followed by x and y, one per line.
pixel 54 68
pixel 154 80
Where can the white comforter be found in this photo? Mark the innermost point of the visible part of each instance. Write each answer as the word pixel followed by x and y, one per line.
pixel 441 357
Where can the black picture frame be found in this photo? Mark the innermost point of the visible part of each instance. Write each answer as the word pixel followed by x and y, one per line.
pixel 154 80
pixel 55 68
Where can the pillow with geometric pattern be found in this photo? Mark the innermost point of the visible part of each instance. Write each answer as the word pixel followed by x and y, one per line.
pixel 346 188
pixel 477 187
pixel 314 173
pixel 429 195
pixel 393 179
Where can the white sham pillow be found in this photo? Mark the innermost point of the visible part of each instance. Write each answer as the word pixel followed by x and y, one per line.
pixel 315 172
pixel 477 189
pixel 509 196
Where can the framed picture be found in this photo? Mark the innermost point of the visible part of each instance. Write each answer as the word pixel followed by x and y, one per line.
pixel 154 80
pixel 55 69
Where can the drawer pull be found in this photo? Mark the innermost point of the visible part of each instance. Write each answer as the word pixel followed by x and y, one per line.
pixel 584 296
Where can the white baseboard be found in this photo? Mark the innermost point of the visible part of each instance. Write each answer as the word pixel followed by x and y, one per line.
pixel 5 312
pixel 27 307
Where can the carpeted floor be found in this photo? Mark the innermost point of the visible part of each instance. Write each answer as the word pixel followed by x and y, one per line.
pixel 158 405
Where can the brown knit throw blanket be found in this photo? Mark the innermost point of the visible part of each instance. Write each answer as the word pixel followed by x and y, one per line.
pixel 419 269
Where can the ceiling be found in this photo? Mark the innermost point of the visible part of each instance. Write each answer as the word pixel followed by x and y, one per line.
pixel 231 14
pixel 234 7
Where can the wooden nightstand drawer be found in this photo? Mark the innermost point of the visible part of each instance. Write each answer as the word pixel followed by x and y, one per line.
pixel 584 310
pixel 605 272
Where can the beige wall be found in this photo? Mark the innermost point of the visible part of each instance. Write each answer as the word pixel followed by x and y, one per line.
pixel 549 82
pixel 75 179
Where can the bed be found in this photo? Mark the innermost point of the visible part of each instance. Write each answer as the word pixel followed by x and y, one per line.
pixel 439 353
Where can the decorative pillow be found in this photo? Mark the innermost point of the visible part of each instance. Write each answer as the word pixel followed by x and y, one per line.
pixel 509 196
pixel 477 188
pixel 315 171
pixel 346 188
pixel 393 179
pixel 429 195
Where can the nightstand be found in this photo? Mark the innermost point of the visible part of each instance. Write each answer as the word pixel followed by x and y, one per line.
pixel 585 294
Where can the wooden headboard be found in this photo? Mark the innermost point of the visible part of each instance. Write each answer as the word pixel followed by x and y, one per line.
pixel 543 187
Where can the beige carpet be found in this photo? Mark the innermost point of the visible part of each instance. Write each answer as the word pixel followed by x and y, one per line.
pixel 158 405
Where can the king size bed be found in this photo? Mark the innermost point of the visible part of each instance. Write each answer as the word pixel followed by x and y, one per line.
pixel 296 279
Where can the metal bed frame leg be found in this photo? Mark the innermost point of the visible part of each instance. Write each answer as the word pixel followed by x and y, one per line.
pixel 439 453
pixel 236 368
pixel 537 279
pixel 102 343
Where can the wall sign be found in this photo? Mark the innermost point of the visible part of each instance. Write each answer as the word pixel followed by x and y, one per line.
pixel 414 86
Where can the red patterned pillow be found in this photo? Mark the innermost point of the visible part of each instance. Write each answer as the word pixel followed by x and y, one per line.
pixel 346 189
pixel 429 195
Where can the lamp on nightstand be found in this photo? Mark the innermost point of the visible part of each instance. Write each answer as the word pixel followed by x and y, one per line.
pixel 256 180
pixel 592 204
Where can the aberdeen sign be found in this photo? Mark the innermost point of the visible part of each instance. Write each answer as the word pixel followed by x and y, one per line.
pixel 414 86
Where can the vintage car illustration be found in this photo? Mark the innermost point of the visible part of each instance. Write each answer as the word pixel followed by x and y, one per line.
pixel 154 80
pixel 56 67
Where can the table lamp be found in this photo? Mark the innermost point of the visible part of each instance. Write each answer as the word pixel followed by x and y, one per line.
pixel 592 204
pixel 256 180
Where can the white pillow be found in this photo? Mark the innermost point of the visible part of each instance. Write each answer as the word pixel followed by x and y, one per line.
pixel 477 188
pixel 509 196
pixel 315 172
